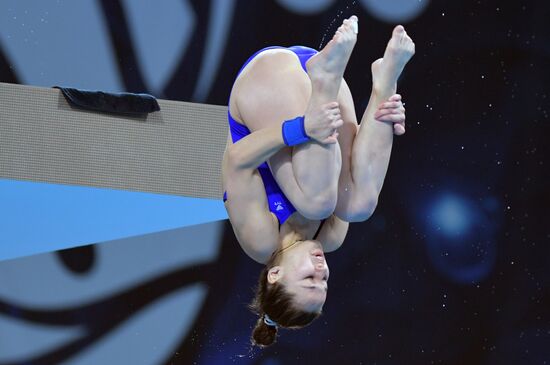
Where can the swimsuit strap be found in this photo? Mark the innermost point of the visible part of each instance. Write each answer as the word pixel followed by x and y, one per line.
pixel 319 229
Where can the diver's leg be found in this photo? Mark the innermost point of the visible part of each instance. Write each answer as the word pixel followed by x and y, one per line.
pixel 271 89
pixel 362 179
pixel 312 169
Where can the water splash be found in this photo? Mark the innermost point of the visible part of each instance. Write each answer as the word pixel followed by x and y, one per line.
pixel 252 353
pixel 331 28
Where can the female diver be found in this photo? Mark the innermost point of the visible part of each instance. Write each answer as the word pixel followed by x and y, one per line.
pixel 292 108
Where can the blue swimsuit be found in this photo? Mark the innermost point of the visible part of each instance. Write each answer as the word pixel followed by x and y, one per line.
pixel 278 202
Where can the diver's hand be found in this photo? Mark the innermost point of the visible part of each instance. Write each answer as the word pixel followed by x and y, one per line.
pixel 392 111
pixel 321 124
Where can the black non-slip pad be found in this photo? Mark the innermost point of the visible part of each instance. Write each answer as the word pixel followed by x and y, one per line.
pixel 119 103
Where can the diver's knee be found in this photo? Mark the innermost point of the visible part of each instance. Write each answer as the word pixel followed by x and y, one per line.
pixel 360 211
pixel 318 207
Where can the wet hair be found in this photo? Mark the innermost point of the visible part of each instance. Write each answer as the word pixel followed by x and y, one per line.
pixel 277 303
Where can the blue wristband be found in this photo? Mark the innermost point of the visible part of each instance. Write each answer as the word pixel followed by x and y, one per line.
pixel 294 131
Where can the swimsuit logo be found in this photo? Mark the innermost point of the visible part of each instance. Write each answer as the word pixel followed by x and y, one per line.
pixel 278 206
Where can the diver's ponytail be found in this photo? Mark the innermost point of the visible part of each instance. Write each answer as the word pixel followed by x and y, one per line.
pixel 264 334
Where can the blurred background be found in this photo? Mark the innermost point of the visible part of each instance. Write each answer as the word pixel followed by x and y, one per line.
pixel 452 268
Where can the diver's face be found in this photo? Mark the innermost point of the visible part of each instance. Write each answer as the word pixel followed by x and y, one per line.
pixel 304 272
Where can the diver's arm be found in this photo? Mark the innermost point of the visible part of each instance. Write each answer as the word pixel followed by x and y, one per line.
pixel 333 233
pixel 255 227
pixel 256 148
pixel 319 124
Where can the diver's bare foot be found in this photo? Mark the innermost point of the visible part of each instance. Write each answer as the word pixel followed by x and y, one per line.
pixel 386 70
pixel 330 63
pixel 326 70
